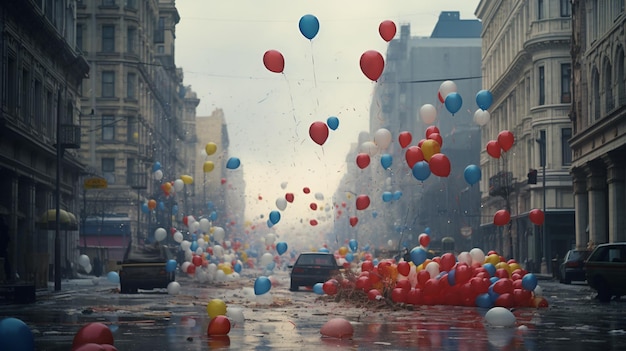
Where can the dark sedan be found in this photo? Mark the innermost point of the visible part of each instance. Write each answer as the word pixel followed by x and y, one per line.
pixel 572 266
pixel 311 268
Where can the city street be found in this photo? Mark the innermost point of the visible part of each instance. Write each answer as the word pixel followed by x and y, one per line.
pixel 292 320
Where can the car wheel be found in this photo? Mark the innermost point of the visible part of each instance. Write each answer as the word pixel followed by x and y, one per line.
pixel 293 287
pixel 604 294
pixel 126 289
pixel 566 280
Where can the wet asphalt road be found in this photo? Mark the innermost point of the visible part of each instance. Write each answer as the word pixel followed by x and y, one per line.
pixel 575 320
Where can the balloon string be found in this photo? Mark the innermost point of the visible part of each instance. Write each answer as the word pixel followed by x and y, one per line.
pixel 313 63
pixel 293 108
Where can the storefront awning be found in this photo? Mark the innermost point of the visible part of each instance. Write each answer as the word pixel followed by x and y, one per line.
pixel 67 220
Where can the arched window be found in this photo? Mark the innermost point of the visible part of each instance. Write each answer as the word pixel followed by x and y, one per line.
pixel 607 79
pixel 621 83
pixel 595 93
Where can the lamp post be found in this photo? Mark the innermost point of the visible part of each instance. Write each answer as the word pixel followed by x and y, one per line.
pixel 542 162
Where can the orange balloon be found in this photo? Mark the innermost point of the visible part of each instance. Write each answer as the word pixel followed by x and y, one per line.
pixel 429 148
pixel 152 204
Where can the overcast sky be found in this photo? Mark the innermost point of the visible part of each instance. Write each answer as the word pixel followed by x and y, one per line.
pixel 220 46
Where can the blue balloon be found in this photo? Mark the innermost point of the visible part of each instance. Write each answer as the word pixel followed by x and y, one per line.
pixel 386 160
pixel 374 214
pixel 16 335
pixel 427 230
pixel 274 217
pixel 318 288
pixel 493 279
pixel 366 248
pixel 161 205
pixel 452 277
pixel 309 26
pixel 323 249
pixel 490 268
pixel 353 244
pixel 113 277
pixel 529 282
pixel 281 247
pixel 262 285
pixel 332 122
pixel 387 196
pixel 421 170
pixel 472 174
pixel 233 163
pixel 270 266
pixel 349 257
pixel 492 294
pixel 194 246
pixel 174 209
pixel 170 266
pixel 210 205
pixel 484 301
pixel 144 208
pixel 156 166
pixel 237 267
pixel 397 195
pixel 213 216
pixel 418 255
pixel 269 223
pixel 453 102
pixel 484 99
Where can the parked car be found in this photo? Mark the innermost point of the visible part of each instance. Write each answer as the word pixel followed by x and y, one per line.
pixel 605 270
pixel 144 267
pixel 311 268
pixel 571 268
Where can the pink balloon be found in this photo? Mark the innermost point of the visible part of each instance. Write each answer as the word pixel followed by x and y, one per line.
pixel 337 328
pixel 319 132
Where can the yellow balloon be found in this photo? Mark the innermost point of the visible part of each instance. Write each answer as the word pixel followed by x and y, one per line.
pixel 210 148
pixel 429 148
pixel 186 179
pixel 494 259
pixel 216 307
pixel 208 166
pixel 504 265
pixel 226 269
pixel 514 267
pixel 244 256
pixel 343 251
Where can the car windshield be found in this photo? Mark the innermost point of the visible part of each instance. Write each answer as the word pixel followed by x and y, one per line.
pixel 577 255
pixel 320 260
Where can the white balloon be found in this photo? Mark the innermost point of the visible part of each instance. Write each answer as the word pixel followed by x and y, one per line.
pixel 433 269
pixel 465 257
pixel 178 237
pixel 390 242
pixel 205 225
pixel 212 268
pixel 227 244
pixel 235 314
pixel 218 234
pixel 283 185
pixel 265 299
pixel 158 174
pixel 173 288
pixel 201 243
pixel 88 268
pixel 194 227
pixel 369 147
pixel 428 113
pixel 199 251
pixel 446 88
pixel 185 244
pixel 83 260
pixel 218 251
pixel 319 196
pixel 538 292
pixel 281 203
pixel 179 185
pixel 478 256
pixel 500 317
pixel 481 117
pixel 382 138
pixel 266 259
pixel 160 234
pixel 184 266
pixel 270 239
pixel 220 276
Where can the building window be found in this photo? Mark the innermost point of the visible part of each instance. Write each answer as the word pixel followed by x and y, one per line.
pixel 566 79
pixel 108 84
pixel 132 4
pixel 108 38
pixel 159 32
pixel 131 83
pixel 595 91
pixel 108 128
pixel 540 13
pixel 542 86
pixel 621 78
pixel 108 2
pixel 566 8
pixel 48 113
pixel 79 37
pixel 131 40
pixel 108 169
pixel 131 128
pixel 25 96
pixel 160 49
pixel 609 100
pixel 566 151
pixel 130 170
pixel 38 104
pixel 11 84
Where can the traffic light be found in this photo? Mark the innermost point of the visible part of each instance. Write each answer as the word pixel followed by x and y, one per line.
pixel 532 176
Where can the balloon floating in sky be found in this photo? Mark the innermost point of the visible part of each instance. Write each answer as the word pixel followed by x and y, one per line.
pixel 372 64
pixel 362 160
pixel 362 202
pixel 281 247
pixel 309 26
pixel 472 174
pixel 484 99
pixel 233 163
pixel 387 30
pixel 274 61
pixel 210 148
pixel 332 122
pixel 318 131
pixel 453 102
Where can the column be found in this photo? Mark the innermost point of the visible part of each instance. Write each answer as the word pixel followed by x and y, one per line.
pixel 617 197
pixel 596 188
pixel 581 207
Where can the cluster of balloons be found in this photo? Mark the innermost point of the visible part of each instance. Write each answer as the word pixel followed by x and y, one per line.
pixel 449 96
pixel 504 142
pixel 483 100
pixel 426 157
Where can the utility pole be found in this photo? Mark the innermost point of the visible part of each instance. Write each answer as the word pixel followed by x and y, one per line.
pixel 542 162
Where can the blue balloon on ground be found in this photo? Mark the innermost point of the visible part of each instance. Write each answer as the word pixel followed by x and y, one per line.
pixel 274 217
pixel 237 267
pixel 262 285
pixel 170 266
pixel 233 163
pixel 492 294
pixel 318 288
pixel 452 277
pixel 484 301
pixel 418 255
pixel 15 335
pixel 374 214
pixel 113 277
pixel 453 102
pixel 281 247
pixel 490 268
pixel 484 99
pixel 386 160
pixel 529 281
pixel 309 26
pixel 472 174
pixel 387 196
pixel 353 244
pixel 421 170
pixel 332 122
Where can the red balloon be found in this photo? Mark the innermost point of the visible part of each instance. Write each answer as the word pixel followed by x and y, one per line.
pixel 313 222
pixel 289 197
pixel 191 269
pixel 494 149
pixel 362 202
pixel 330 286
pixel 362 160
pixel 387 30
pixel 440 98
pixel 431 287
pixel 505 300
pixel 430 130
pixel 354 221
pixel 318 132
pixel 404 138
pixel 447 261
pixel 422 277
pixel 274 61
pixel 463 273
pixel 413 155
pixel 196 260
pixel 506 140
pixel 404 268
pixel 223 180
pixel 313 206
pixel 536 216
pixel 424 240
pixel 398 295
pixel 501 217
pixel 93 333
pixel 219 325
pixel 436 137
pixel 95 347
pixel 503 286
pixel 373 294
pixel 522 297
pixel 414 297
pixel 306 190
pixel 372 64
pixel 419 143
pixel 363 283
pixel 439 165
pixel 367 266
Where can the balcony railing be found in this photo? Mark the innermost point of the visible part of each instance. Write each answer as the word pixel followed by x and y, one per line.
pixel 501 184
pixel 70 136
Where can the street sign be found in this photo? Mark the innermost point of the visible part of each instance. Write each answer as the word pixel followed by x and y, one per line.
pixel 95 183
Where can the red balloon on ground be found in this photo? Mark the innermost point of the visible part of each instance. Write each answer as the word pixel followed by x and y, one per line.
pixel 318 131
pixel 93 333
pixel 274 61
pixel 330 286
pixel 387 30
pixel 404 268
pixel 95 347
pixel 372 64
pixel 337 328
pixel 219 325
pixel 373 294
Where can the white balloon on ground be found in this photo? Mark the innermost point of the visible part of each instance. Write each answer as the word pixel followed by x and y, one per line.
pixel 173 288
pixel 235 314
pixel 194 227
pixel 83 260
pixel 218 251
pixel 265 299
pixel 185 244
pixel 538 291
pixel 477 255
pixel 500 317
pixel 88 268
